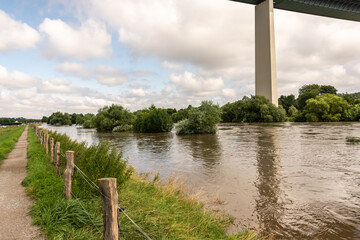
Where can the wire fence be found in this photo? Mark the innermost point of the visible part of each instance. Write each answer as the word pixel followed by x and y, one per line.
pixel 96 187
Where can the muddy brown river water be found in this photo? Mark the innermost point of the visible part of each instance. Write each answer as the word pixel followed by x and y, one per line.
pixel 290 180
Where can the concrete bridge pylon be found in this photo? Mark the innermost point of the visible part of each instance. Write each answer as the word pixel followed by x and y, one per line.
pixel 265 57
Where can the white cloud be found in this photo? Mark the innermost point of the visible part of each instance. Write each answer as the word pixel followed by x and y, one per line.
pixel 172 66
pixel 56 85
pixel 16 79
pixel 103 74
pixel 137 92
pixel 229 93
pixel 90 40
pixel 15 34
pixel 189 83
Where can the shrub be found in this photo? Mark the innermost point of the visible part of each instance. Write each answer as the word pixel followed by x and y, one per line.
pixel 123 128
pixel 327 108
pixel 109 117
pixel 201 120
pixel 153 120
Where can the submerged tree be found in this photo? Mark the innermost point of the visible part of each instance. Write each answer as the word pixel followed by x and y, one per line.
pixel 153 120
pixel 202 119
pixel 112 116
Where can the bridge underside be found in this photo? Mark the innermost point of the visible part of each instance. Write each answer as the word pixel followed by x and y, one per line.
pixel 265 60
pixel 341 9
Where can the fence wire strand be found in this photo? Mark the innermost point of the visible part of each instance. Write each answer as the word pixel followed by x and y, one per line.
pixel 88 214
pixel 120 209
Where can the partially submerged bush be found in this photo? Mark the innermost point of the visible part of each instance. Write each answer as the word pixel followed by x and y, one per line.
pixel 153 120
pixel 123 128
pixel 201 120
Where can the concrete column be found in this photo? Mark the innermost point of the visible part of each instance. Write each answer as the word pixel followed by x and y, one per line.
pixel 265 61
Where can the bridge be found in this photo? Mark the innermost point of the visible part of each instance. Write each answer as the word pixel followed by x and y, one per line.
pixel 265 59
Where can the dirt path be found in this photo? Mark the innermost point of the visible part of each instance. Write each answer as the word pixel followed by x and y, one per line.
pixel 14 203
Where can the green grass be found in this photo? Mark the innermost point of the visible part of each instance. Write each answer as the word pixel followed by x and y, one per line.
pixel 353 139
pixel 8 137
pixel 163 212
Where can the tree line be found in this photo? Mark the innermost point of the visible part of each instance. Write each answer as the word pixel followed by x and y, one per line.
pixel 314 103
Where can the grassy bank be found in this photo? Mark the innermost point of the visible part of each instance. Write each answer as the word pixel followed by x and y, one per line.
pixel 161 211
pixel 8 138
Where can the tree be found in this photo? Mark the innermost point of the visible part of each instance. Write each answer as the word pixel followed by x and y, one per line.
pixel 327 89
pixel 112 116
pixel 59 118
pixel 181 114
pixel 306 92
pixel 202 119
pixel 153 120
pixel 44 119
pixel 327 108
pixel 287 101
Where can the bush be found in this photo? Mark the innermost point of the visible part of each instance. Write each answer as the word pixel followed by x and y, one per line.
pixel 123 128
pixel 109 117
pixel 153 120
pixel 327 108
pixel 201 120
pixel 254 109
pixel 59 118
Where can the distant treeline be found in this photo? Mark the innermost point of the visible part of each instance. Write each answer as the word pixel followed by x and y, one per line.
pixel 314 103
pixel 17 121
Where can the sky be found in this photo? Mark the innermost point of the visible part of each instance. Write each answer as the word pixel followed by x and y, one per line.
pixel 79 56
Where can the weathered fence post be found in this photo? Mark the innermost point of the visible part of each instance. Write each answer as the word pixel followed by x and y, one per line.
pixel 41 137
pixel 68 173
pixel 109 198
pixel 56 158
pixel 51 149
pixel 47 144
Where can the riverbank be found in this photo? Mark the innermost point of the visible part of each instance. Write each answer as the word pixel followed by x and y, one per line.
pixel 163 212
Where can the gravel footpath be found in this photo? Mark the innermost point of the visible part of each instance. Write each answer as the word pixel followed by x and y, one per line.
pixel 15 223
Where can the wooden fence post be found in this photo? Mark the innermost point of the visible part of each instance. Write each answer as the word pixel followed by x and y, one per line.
pixel 51 149
pixel 41 137
pixel 56 158
pixel 68 173
pixel 109 198
pixel 47 143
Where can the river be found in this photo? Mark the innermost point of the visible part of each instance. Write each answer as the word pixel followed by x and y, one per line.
pixel 290 180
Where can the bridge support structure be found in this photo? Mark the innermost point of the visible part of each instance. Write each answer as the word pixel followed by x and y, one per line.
pixel 265 59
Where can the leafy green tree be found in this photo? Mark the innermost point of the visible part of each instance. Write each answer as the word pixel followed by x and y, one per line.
pixel 287 101
pixel 327 89
pixel 181 114
pixel 153 120
pixel 109 117
pixel 59 118
pixel 327 108
pixel 202 119
pixel 5 121
pixel 44 119
pixel 306 92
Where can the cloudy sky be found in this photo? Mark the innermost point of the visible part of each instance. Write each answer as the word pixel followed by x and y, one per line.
pixel 78 56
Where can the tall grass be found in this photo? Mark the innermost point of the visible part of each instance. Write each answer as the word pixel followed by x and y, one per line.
pixel 97 161
pixel 58 218
pixel 8 137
